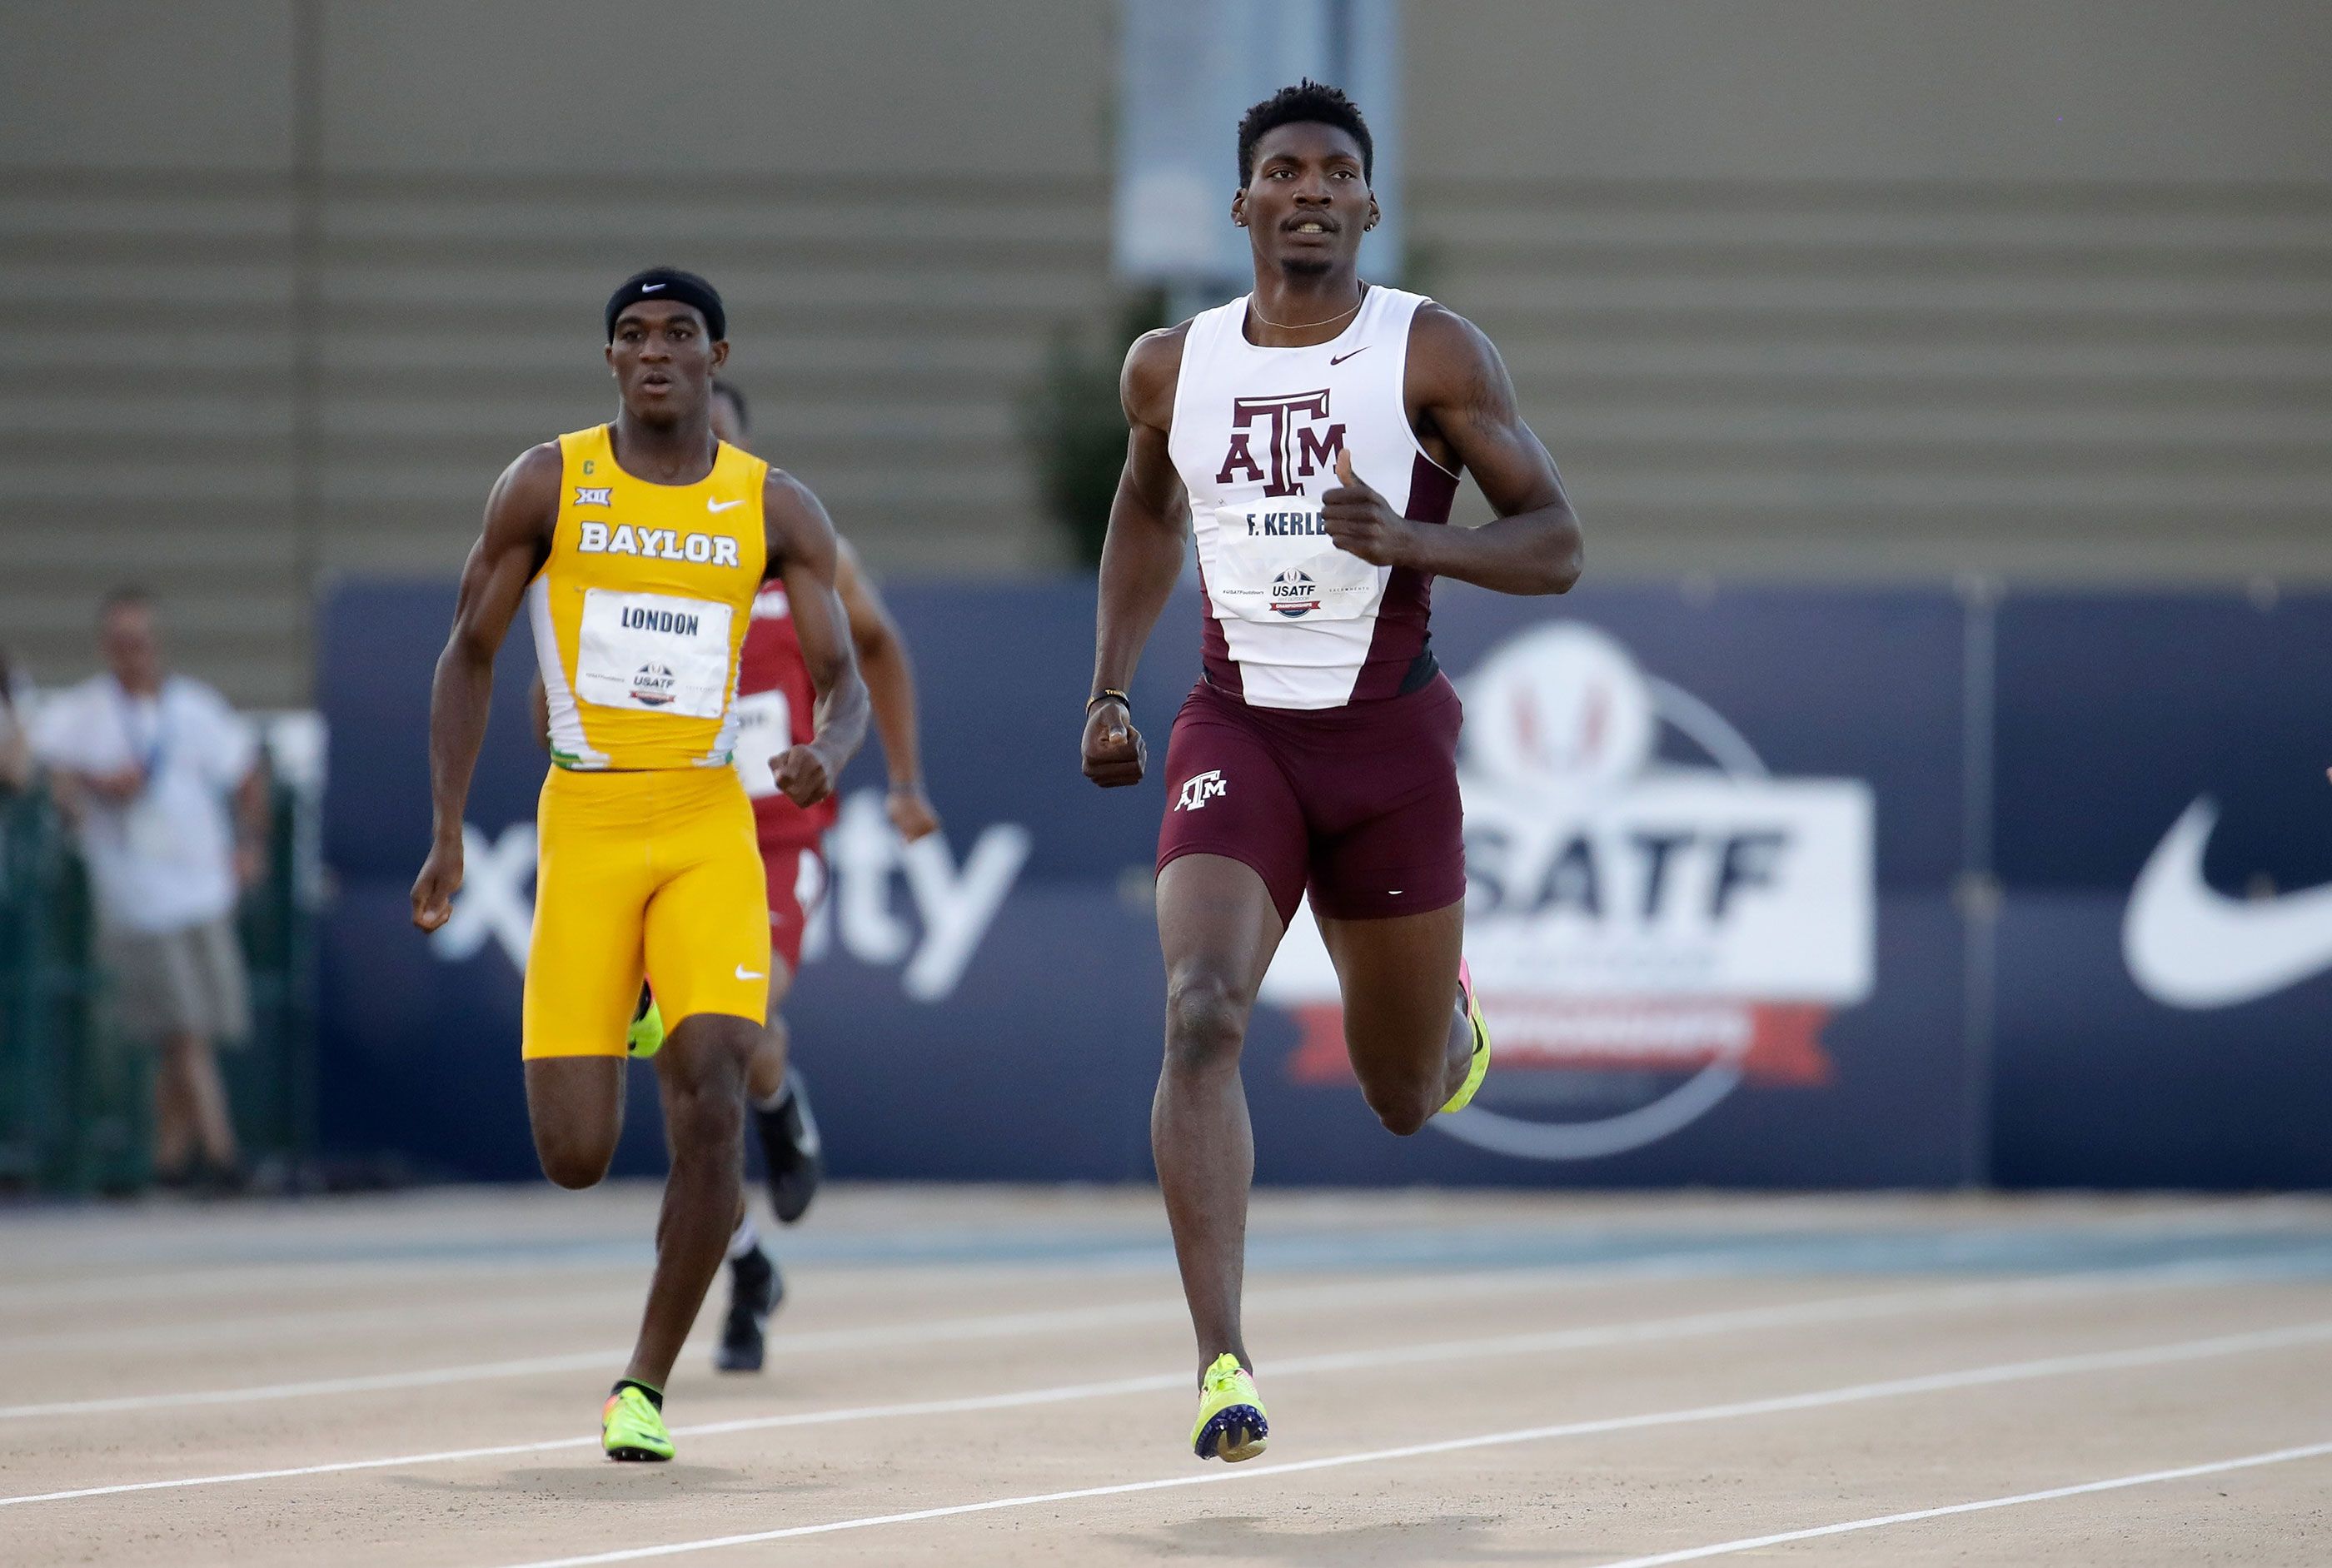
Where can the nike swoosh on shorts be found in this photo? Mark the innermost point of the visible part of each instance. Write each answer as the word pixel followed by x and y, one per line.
pixel 2188 945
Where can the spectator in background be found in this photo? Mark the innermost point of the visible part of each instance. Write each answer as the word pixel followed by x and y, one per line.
pixel 16 745
pixel 146 763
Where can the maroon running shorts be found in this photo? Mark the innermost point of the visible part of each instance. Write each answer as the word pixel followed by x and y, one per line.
pixel 1359 803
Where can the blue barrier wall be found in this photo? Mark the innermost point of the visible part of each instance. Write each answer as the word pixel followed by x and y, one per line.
pixel 1729 857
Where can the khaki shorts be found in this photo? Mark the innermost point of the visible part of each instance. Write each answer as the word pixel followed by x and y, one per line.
pixel 189 981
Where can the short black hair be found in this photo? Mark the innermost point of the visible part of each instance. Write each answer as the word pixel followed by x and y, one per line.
pixel 1306 102
pixel 736 400
pixel 124 597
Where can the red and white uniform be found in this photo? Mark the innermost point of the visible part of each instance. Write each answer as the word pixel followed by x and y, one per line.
pixel 776 707
pixel 1320 748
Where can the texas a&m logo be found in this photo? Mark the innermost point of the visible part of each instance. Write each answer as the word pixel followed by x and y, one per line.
pixel 1298 442
pixel 1199 789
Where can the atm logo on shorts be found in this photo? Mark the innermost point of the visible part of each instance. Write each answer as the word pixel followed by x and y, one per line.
pixel 1293 595
pixel 1201 788
pixel 652 686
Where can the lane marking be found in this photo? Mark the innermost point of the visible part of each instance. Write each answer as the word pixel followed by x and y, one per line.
pixel 1852 1394
pixel 1001 1325
pixel 1640 1331
pixel 2151 1478
pixel 145 1272
pixel 994 1326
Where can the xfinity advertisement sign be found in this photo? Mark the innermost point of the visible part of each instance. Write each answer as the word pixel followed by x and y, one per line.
pixel 1775 887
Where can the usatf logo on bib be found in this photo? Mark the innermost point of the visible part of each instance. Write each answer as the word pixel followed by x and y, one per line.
pixel 652 686
pixel 1292 594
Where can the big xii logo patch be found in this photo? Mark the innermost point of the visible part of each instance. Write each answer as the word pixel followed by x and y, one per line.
pixel 1654 919
pixel 1294 437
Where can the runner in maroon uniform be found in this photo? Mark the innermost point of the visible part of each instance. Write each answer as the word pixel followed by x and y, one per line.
pixel 775 708
pixel 1310 437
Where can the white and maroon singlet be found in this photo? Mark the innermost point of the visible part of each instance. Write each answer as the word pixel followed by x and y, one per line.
pixel 1293 622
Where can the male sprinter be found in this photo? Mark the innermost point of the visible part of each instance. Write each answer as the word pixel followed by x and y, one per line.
pixel 639 548
pixel 775 694
pixel 1312 432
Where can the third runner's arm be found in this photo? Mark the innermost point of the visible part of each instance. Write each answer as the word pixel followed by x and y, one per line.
pixel 801 546
pixel 890 679
pixel 1459 392
pixel 517 537
pixel 1142 557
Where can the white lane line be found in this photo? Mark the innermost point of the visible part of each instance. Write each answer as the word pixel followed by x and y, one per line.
pixel 2151 1478
pixel 1000 1325
pixel 1465 1287
pixel 1852 1394
pixel 1641 1331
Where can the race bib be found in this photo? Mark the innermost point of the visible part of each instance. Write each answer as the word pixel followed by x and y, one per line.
pixel 1275 562
pixel 653 654
pixel 765 730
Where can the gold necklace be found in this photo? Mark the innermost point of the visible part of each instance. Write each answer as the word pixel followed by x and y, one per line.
pixel 1304 326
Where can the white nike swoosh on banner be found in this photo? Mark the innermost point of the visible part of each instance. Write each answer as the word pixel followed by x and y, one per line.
pixel 2188 945
pixel 712 505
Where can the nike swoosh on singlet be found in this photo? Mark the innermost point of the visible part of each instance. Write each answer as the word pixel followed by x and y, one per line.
pixel 712 505
pixel 1340 358
pixel 2188 945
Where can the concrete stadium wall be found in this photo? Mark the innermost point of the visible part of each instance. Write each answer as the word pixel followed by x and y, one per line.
pixel 1793 288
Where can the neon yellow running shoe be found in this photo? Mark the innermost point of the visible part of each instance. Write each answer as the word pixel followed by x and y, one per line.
pixel 1231 1423
pixel 632 1428
pixel 646 1037
pixel 1481 1067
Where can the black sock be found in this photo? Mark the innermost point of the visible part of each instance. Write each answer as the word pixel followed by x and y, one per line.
pixel 656 1395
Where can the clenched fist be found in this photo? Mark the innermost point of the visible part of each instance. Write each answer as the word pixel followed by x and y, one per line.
pixel 1113 749
pixel 1362 522
pixel 802 773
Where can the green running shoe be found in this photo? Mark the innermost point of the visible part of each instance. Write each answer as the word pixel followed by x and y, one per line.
pixel 646 1037
pixel 1231 1424
pixel 632 1428
pixel 1480 1068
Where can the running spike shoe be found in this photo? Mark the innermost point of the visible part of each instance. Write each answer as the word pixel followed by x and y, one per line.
pixel 632 1428
pixel 646 1037
pixel 790 1150
pixel 1481 1065
pixel 755 1288
pixel 1231 1423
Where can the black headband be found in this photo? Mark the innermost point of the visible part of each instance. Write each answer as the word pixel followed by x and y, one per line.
pixel 669 283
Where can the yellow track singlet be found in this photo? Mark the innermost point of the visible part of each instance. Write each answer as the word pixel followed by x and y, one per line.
pixel 646 859
pixel 641 608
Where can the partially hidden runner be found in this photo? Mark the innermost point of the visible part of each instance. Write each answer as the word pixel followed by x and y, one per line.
pixel 774 702
pixel 638 549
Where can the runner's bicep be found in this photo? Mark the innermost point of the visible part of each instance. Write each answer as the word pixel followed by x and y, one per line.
pixel 510 549
pixel 1478 414
pixel 802 545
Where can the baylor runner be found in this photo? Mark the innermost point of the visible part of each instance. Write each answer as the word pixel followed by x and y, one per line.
pixel 638 549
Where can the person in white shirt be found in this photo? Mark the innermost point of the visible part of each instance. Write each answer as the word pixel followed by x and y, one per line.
pixel 147 764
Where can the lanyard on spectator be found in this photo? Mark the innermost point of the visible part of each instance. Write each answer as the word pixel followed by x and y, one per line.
pixel 149 762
